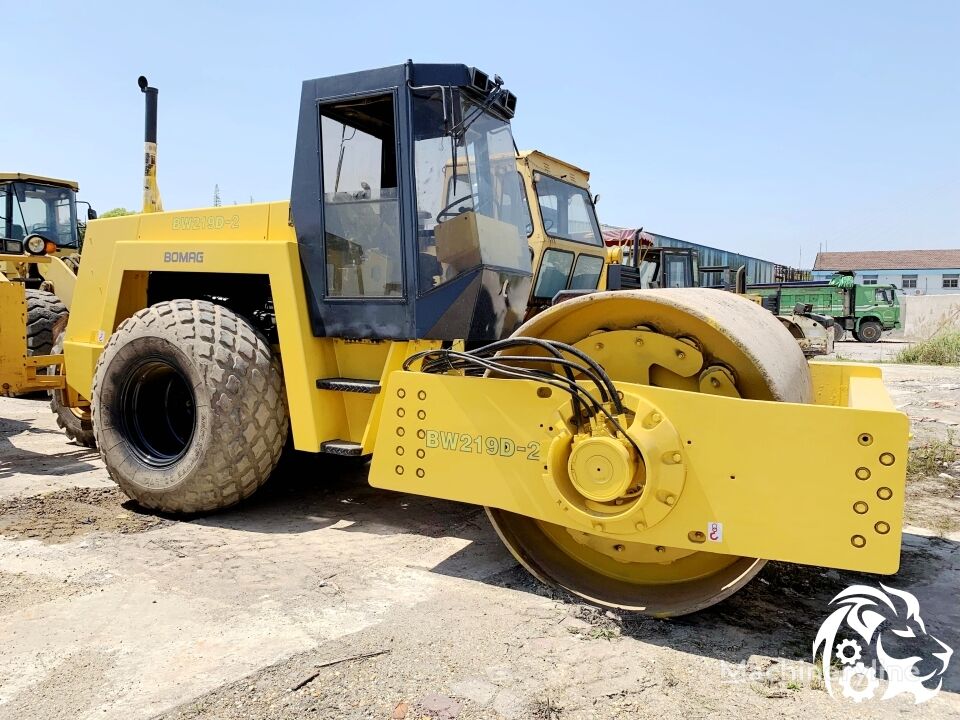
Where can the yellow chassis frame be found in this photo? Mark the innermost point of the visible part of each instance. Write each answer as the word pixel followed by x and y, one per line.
pixel 835 500
pixel 19 371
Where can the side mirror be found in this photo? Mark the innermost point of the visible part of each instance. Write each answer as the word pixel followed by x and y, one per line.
pixel 91 214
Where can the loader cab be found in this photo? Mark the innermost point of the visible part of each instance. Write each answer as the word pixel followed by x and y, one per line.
pixel 563 233
pixel 34 205
pixel 643 268
pixel 386 252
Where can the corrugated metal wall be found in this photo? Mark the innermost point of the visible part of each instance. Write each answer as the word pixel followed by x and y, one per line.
pixel 758 271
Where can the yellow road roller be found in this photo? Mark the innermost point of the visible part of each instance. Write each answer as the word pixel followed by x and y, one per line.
pixel 644 449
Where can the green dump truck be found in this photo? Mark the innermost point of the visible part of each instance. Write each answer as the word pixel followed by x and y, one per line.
pixel 864 310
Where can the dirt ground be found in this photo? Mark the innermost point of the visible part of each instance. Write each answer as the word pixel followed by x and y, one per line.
pixel 323 597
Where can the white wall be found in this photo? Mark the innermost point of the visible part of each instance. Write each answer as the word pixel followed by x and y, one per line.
pixel 929 282
pixel 924 315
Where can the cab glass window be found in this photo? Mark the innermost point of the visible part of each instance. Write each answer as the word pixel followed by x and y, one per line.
pixel 586 274
pixel 46 210
pixel 567 211
pixel 883 296
pixel 508 200
pixel 6 212
pixel 360 202
pixel 554 271
pixel 677 271
pixel 470 204
pixel 34 211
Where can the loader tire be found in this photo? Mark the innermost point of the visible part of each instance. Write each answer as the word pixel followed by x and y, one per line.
pixel 189 408
pixel 44 309
pixel 76 423
pixel 72 261
pixel 839 332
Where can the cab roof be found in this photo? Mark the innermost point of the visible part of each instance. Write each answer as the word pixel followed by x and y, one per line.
pixel 555 167
pixel 39 179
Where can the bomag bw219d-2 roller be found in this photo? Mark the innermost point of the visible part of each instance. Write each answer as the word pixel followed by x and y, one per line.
pixel 645 449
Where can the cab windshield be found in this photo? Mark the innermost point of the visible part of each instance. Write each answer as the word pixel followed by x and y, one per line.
pixel 567 211
pixel 470 204
pixel 28 208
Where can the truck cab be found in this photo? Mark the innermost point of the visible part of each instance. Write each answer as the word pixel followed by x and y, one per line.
pixel 876 302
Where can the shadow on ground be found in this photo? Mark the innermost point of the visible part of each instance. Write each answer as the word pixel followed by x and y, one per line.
pixel 17 460
pixel 776 615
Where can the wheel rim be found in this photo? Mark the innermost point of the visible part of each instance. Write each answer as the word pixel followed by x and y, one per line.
pixel 158 412
pixel 658 580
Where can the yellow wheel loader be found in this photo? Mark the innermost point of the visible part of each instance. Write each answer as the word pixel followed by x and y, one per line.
pixel 570 255
pixel 39 223
pixel 643 449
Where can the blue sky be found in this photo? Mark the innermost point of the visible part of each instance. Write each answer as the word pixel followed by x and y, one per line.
pixel 763 127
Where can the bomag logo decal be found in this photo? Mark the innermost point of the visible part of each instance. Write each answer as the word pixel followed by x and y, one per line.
pixel 176 256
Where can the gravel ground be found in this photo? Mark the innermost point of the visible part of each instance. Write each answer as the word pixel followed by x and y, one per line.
pixel 323 597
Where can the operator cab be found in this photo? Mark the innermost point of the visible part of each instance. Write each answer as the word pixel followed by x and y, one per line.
pixel 643 267
pixel 566 244
pixel 388 251
pixel 34 205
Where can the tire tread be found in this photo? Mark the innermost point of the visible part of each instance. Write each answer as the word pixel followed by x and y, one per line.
pixel 44 309
pixel 245 387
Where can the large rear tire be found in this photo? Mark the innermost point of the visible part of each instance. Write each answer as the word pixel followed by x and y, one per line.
pixel 189 408
pixel 44 309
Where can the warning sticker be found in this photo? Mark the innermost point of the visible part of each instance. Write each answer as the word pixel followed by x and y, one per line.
pixel 715 532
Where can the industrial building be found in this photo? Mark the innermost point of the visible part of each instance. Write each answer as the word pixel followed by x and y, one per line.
pixel 914 272
pixel 757 270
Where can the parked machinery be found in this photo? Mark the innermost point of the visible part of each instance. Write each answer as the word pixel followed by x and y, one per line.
pixel 639 448
pixel 39 221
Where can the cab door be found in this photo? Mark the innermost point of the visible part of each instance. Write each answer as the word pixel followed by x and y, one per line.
pixel 677 270
pixel 364 263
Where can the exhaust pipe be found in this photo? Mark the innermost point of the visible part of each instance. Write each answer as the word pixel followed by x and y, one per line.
pixel 151 191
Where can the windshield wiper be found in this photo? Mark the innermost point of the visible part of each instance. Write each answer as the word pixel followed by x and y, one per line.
pixel 460 129
pixel 458 132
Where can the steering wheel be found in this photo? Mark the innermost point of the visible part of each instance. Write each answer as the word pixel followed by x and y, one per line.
pixel 43 230
pixel 447 211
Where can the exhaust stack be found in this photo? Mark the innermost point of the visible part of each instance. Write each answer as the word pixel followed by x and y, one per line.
pixel 151 191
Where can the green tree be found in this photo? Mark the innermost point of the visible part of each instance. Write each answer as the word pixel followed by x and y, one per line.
pixel 117 212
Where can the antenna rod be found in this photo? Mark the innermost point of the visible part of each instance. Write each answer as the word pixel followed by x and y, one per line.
pixel 151 191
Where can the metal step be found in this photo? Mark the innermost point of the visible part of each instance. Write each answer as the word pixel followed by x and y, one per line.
pixel 341 447
pixel 371 387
